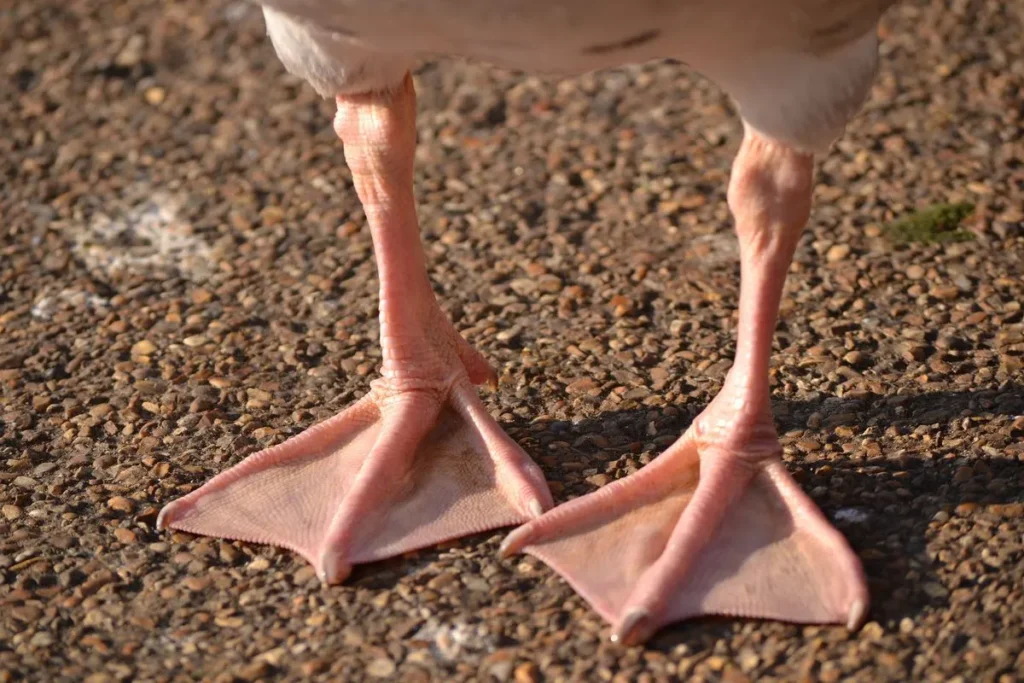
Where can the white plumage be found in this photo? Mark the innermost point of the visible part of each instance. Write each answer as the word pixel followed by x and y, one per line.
pixel 797 69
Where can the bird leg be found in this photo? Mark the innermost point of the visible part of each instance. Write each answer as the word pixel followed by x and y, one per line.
pixel 416 461
pixel 716 525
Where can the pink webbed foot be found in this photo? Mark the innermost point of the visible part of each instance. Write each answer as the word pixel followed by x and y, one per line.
pixel 394 472
pixel 716 525
pixel 418 460
pixel 700 531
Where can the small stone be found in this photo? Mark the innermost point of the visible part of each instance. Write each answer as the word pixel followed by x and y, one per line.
pixel 382 667
pixel 258 395
pixel 126 536
pixel 272 215
pixel 872 630
pixel 946 293
pixel 255 670
pixel 498 665
pixel 441 581
pixel 196 583
pixel 715 662
pixel 120 503
pixel 11 512
pixel 26 482
pixel 527 673
pixel 143 348
pixel 963 474
pixel 582 386
pixel 259 564
pixel 313 666
pixel 598 479
pixel 229 622
pixel 307 573
pixel 155 95
pixel 837 253
pixel 914 352
pixel 201 296
pixel 855 359
pixel 201 405
pixel 194 340
pixel 26 614
pixel 511 334
pixel 915 272
pixel 550 283
pixel 621 305
pixel 101 410
pixel 748 660
pixel 44 468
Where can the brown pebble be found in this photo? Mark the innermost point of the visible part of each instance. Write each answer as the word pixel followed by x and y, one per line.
pixel 527 672
pixel 143 347
pixel 196 583
pixel 101 410
pixel 255 670
pixel 125 536
pixel 120 503
pixel 382 667
pixel 837 253
pixel 582 386
pixel 313 666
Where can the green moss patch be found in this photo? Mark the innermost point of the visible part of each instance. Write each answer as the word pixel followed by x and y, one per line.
pixel 938 224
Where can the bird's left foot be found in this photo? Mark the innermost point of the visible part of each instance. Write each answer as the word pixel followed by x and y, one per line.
pixel 713 526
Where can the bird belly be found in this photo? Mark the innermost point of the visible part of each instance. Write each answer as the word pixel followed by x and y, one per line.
pixel 571 36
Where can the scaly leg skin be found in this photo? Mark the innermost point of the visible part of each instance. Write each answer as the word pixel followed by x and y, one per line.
pixel 715 525
pixel 418 460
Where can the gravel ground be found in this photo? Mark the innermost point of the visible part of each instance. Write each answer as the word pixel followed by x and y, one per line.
pixel 185 278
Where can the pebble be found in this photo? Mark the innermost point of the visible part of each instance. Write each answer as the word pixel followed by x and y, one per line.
pixel 498 665
pixel 101 410
pixel 527 672
pixel 143 347
pixel 382 667
pixel 120 503
pixel 915 272
pixel 155 95
pixel 582 386
pixel 255 671
pixel 837 252
pixel 126 536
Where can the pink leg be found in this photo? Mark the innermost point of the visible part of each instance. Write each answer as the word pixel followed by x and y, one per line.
pixel 715 525
pixel 418 460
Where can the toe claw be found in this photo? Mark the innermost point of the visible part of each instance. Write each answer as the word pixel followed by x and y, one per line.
pixel 515 542
pixel 333 569
pixel 858 613
pixel 164 519
pixel 635 628
pixel 536 508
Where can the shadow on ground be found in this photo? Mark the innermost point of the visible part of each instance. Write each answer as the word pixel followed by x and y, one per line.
pixel 889 500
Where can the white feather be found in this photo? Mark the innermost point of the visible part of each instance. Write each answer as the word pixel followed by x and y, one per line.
pixel 798 69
